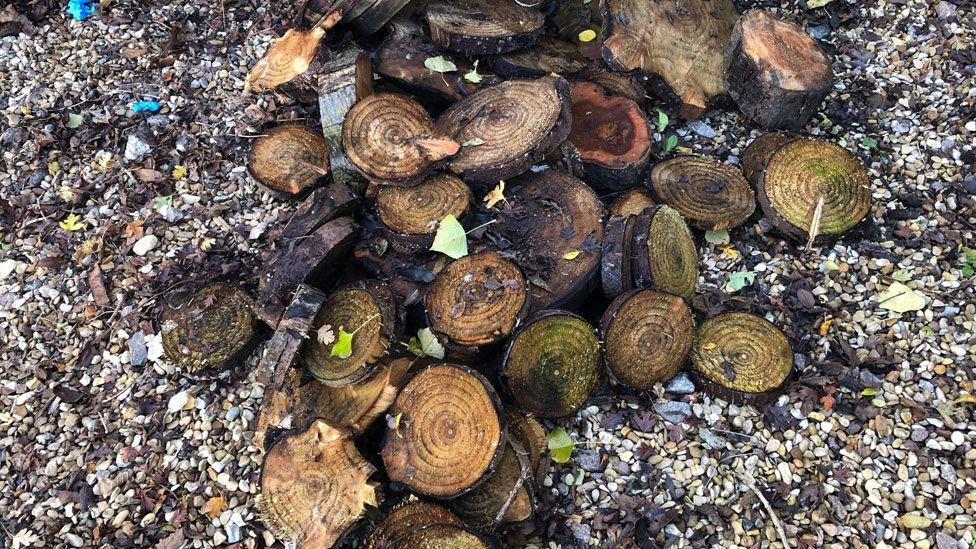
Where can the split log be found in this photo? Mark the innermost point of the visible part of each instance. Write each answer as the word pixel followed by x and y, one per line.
pixel 549 56
pixel 411 215
pixel 663 254
pixel 515 125
pixel 322 205
pixel 292 61
pixel 408 518
pixel 377 14
pixel 289 159
pixel 551 364
pixel 631 202
pixel 402 56
pixel 813 190
pixel 682 42
pixel 612 136
pixel 741 357
pixel 646 337
pixel 777 73
pixel 449 434
pixel 483 27
pixel 710 195
pixel 491 504
pixel 525 431
pixel 344 80
pixel 616 275
pixel 757 154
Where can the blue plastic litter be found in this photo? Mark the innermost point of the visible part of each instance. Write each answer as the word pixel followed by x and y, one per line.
pixel 80 9
pixel 145 106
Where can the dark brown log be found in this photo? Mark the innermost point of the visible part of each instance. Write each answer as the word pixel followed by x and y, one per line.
pixel 572 18
pixel 616 276
pixel 322 205
pixel 377 14
pixel 631 202
pixel 289 159
pixel 408 273
pixel 408 518
pixel 757 154
pixel 549 56
pixel 344 80
pixel 663 254
pixel 483 27
pixel 624 84
pixel 777 73
pixel 442 536
pixel 710 195
pixel 504 498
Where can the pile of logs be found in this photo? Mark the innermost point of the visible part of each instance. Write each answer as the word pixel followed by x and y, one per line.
pixel 486 232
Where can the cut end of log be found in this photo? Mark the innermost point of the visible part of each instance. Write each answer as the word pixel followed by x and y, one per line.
pixel 289 159
pixel 712 196
pixel 483 27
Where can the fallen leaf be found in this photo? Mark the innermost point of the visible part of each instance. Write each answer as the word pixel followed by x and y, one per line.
pixel 717 237
pixel 71 223
pixel 215 506
pixel 325 335
pixel 288 57
pixel 473 142
pixel 814 4
pixel 74 120
pixel 587 35
pixel 571 255
pixel 825 326
pixel 439 64
pixel 450 238
pixel 670 144
pixel 149 176
pixel 560 445
pixel 901 299
pixel 740 280
pixel 428 344
pixel 97 286
pixel 343 346
pixel 662 120
pixel 496 195
pixel 965 398
pixel 179 172
pixel 472 75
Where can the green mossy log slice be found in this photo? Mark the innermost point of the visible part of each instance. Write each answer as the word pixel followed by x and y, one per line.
pixel 413 213
pixel 612 136
pixel 757 154
pixel 646 337
pixel 483 27
pixel 663 254
pixel 367 309
pixel 401 58
pixel 408 518
pixel 615 270
pixel 211 329
pixel 804 172
pixel 390 137
pixel 517 123
pixel 631 202
pixel 550 55
pixel 525 431
pixel 314 486
pixel 477 300
pixel 741 357
pixel 553 227
pixel 289 159
pixel 552 363
pixel 450 433
pixel 777 74
pixel 505 497
pixel 442 536
pixel 710 195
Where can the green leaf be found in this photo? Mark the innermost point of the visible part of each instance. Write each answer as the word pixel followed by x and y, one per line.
pixel 426 344
pixel 740 280
pixel 968 271
pixel 450 239
pixel 342 348
pixel 869 392
pixel 969 255
pixel 472 75
pixel 869 143
pixel 560 445
pixel 439 64
pixel 671 143
pixel 160 203
pixel 662 120
pixel 901 299
pixel 902 275
pixel 717 237
pixel 814 4
pixel 74 120
pixel 71 223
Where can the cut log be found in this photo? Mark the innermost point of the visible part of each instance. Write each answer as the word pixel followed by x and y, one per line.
pixel 483 27
pixel 663 254
pixel 612 136
pixel 209 330
pixel 551 364
pixel 412 214
pixel 549 56
pixel 344 80
pixel 615 272
pixel 553 228
pixel 314 486
pixel 442 536
pixel 477 301
pixel 448 434
pixel 646 337
pixel 710 195
pixel 291 61
pixel 757 154
pixel 402 56
pixel 289 159
pixel 377 14
pixel 626 85
pixel 777 73
pixel 504 498
pixel 368 310
pixel 631 202
pixel 408 518
pixel 814 190
pixel 682 42
pixel 741 357
pixel 515 123
pixel 574 17
pixel 525 431
pixel 322 205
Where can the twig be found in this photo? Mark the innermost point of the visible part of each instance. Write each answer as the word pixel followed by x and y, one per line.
pixel 815 223
pixel 751 484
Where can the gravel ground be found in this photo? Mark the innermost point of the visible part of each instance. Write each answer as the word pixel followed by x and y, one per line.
pixel 103 443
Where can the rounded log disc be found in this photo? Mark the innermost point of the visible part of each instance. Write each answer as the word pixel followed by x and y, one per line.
pixel 810 176
pixel 550 55
pixel 450 433
pixel 408 518
pixel 401 58
pixel 414 212
pixel 480 507
pixel 612 136
pixel 663 253
pixel 483 27
pixel 631 202
pixel 516 123
pixel 442 536
pixel 528 433
pixel 741 357
pixel 477 300
pixel 646 337
pixel 367 309
pixel 615 272
pixel 314 486
pixel 554 224
pixel 390 137
pixel 209 330
pixel 712 196
pixel 551 364
pixel 289 158
pixel 757 154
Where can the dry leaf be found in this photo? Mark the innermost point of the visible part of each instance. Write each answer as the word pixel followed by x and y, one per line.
pixel 215 506
pixel 496 195
pixel 97 286
pixel 815 223
pixel 325 335
pixel 289 56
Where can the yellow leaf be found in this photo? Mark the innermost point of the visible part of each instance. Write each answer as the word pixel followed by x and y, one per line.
pixel 71 223
pixel 730 252
pixel 496 195
pixel 571 255
pixel 965 398
pixel 215 506
pixel 587 35
pixel 709 346
pixel 825 326
pixel 53 168
pixel 179 172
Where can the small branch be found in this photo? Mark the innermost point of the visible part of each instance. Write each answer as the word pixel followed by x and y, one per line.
pixel 751 484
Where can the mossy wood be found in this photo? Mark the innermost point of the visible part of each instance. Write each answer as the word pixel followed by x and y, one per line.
pixel 408 518
pixel 504 498
pixel 443 536
pixel 710 195
pixel 289 159
pixel 402 57
pixel 757 154
pixel 483 27
pixel 663 253
pixel 549 56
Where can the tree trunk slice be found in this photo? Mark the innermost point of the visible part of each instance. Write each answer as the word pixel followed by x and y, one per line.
pixel 321 206
pixel 550 55
pixel 682 42
pixel 209 330
pixel 407 519
pixel 712 196
pixel 443 536
pixel 390 137
pixel 450 433
pixel 314 486
pixel 741 357
pixel 483 27
pixel 612 136
pixel 757 154
pixel 401 58
pixel 367 308
pixel 378 14
pixel 344 81
pixel 551 364
pixel 311 260
pixel 631 202
pixel 480 507
pixel 572 18
pixel 477 300
pixel 615 272
pixel 517 122
pixel 289 159
pixel 412 214
pixel 622 84
pixel 663 253
pixel 646 337
pixel 553 228
pixel 527 432
pixel 803 172
pixel 777 73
